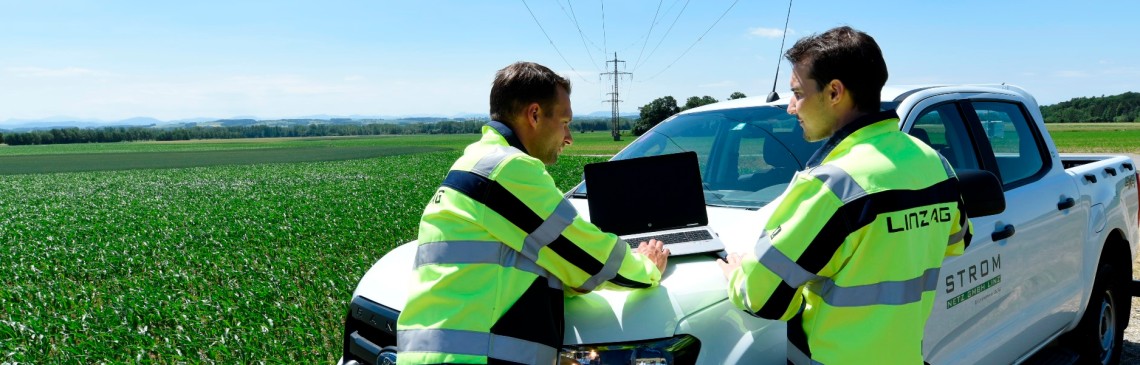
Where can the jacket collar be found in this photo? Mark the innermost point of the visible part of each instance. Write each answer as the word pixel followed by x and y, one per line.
pixel 508 134
pixel 855 125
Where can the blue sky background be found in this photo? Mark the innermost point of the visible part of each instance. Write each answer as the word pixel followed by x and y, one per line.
pixel 270 59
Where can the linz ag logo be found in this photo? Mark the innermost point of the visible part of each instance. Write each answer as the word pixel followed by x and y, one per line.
pixel 916 219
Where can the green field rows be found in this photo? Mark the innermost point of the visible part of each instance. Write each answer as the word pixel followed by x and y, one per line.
pixel 225 263
pixel 251 256
pixel 25 164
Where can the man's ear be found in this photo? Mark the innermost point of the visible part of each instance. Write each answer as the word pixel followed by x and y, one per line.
pixel 835 90
pixel 532 114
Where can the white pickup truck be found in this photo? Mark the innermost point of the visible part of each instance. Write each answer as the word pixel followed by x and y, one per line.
pixel 1048 275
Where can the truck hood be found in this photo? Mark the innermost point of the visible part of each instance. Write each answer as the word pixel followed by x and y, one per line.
pixel 689 284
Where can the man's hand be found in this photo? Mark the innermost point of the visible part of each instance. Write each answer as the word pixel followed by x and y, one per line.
pixel 730 264
pixel 655 251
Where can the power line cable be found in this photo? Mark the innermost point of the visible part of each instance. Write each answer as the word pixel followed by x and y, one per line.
pixel 581 35
pixel 631 44
pixel 651 24
pixel 605 48
pixel 635 67
pixel 552 42
pixel 575 15
pixel 696 41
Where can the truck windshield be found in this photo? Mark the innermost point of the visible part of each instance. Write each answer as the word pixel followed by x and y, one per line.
pixel 747 156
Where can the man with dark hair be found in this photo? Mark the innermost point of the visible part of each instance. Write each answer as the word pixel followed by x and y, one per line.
pixel 499 245
pixel 840 259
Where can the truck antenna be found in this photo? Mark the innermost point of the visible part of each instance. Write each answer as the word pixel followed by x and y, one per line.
pixel 773 96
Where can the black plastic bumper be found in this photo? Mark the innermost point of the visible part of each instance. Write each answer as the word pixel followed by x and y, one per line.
pixel 370 333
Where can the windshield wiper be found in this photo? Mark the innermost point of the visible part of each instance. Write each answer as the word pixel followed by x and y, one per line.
pixel 707 191
pixel 745 207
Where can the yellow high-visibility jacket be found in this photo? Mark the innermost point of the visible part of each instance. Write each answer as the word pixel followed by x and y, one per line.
pixel 851 254
pixel 498 245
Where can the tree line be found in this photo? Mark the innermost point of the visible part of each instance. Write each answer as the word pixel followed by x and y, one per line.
pixel 245 129
pixel 1122 108
pixel 1117 108
pixel 132 134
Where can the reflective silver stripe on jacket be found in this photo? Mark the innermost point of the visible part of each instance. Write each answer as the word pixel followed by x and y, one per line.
pixel 473 343
pixel 887 292
pixel 955 238
pixel 610 269
pixel 479 252
pixel 780 264
pixel 550 229
pixel 492 160
pixel 840 182
pixel 562 217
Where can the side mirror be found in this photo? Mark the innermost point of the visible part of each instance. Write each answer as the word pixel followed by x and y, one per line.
pixel 981 192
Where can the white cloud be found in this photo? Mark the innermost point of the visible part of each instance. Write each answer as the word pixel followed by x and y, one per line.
pixel 769 32
pixel 1121 71
pixel 54 72
pixel 1071 74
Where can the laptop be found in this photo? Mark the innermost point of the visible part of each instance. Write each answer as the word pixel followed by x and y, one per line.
pixel 656 197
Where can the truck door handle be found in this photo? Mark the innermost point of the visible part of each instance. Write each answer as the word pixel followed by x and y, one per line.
pixel 1066 204
pixel 1005 232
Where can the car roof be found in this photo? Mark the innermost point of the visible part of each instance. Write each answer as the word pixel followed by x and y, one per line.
pixel 890 93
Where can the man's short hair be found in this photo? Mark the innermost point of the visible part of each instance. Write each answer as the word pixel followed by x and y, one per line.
pixel 847 55
pixel 522 83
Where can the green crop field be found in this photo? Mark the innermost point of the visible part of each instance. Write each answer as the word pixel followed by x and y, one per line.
pixel 150 155
pixel 1096 137
pixel 234 250
pixel 252 256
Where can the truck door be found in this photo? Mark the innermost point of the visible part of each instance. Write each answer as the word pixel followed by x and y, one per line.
pixel 1000 299
pixel 971 298
pixel 1047 219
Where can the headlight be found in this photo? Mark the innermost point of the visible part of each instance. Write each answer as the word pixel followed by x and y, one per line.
pixel 677 350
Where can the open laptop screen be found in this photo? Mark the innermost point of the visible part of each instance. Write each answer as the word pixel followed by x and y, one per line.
pixel 646 194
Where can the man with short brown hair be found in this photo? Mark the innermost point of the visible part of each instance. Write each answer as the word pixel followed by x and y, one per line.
pixel 855 285
pixel 499 244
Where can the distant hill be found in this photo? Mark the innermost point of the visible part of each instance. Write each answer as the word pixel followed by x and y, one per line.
pixel 1120 108
pixel 609 114
pixel 67 122
pixel 19 125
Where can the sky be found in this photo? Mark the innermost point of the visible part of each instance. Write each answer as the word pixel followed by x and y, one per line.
pixel 171 60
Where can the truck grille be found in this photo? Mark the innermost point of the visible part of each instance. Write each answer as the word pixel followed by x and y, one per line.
pixel 369 332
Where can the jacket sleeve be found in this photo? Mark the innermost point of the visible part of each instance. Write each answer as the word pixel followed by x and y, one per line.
pixel 575 251
pixel 960 233
pixel 769 281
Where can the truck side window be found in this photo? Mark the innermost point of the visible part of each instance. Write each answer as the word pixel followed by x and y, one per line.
pixel 1014 142
pixel 943 128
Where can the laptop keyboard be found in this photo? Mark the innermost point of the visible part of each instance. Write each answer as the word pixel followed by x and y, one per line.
pixel 687 236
